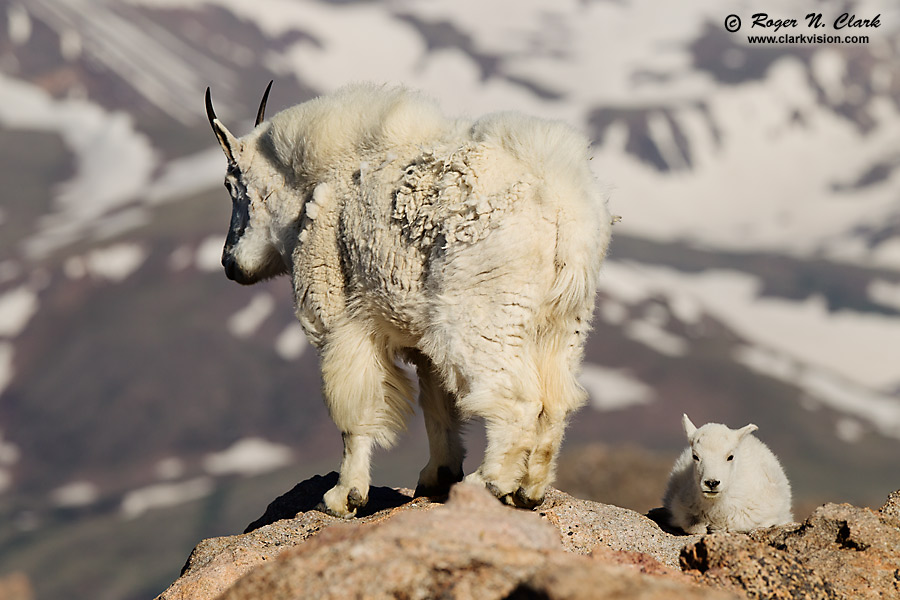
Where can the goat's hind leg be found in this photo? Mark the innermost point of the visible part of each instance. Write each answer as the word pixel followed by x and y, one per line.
pixel 541 467
pixel 561 394
pixel 510 428
pixel 444 427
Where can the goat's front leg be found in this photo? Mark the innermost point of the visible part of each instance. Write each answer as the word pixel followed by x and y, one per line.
pixel 368 398
pixel 352 489
pixel 443 426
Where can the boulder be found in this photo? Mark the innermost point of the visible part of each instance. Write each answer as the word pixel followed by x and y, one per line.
pixel 839 552
pixel 470 547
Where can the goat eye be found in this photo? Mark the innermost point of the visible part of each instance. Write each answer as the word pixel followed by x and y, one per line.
pixel 697 458
pixel 731 457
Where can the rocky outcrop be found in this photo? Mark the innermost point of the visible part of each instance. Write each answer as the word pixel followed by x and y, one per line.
pixel 470 547
pixel 474 547
pixel 839 552
pixel 16 586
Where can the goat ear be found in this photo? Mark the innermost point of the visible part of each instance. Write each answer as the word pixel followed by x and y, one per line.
pixel 747 429
pixel 228 142
pixel 689 428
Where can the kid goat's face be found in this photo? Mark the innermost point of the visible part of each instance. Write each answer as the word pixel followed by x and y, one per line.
pixel 714 449
pixel 714 461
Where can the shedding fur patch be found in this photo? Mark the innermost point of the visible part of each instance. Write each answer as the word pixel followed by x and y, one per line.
pixel 442 197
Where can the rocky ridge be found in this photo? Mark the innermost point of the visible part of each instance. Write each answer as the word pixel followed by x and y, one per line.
pixel 473 547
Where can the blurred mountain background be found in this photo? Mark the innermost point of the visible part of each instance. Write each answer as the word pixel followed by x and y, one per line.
pixel 146 402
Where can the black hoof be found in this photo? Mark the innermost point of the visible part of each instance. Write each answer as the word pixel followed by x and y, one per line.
pixel 445 480
pixel 355 499
pixel 322 507
pixel 523 501
pixel 504 498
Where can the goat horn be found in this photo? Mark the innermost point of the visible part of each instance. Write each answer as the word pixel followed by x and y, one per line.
pixel 261 114
pixel 210 111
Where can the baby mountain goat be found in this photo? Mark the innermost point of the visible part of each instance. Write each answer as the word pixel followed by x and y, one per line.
pixel 726 480
pixel 469 249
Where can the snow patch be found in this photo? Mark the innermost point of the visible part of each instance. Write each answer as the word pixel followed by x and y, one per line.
pixel 209 254
pixel 849 430
pixel 652 335
pixel 18 24
pixel 829 68
pixel 162 495
pixel 614 389
pixel 884 293
pixel 291 343
pixel 246 321
pixel 170 468
pixel 189 175
pixel 70 45
pixel 851 344
pixel 17 306
pixel 614 313
pixel 249 456
pixel 9 453
pixel 114 162
pixel 136 49
pixel 6 365
pixel 880 411
pixel 75 494
pixel 181 258
pixel 887 254
pixel 113 263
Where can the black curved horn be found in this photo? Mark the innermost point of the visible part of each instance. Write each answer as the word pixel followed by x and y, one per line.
pixel 210 112
pixel 261 113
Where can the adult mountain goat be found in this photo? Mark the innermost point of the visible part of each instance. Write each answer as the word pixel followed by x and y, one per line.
pixel 468 249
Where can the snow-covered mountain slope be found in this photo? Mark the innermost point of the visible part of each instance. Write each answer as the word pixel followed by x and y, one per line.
pixel 755 275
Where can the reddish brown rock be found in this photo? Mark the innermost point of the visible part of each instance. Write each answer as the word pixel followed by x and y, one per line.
pixel 891 508
pixel 290 520
pixel 472 548
pixel 15 586
pixel 567 549
pixel 839 552
pixel 585 526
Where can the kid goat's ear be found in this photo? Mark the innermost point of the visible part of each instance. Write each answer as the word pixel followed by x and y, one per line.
pixel 689 428
pixel 747 429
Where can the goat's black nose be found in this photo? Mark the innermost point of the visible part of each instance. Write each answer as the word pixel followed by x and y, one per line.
pixel 712 483
pixel 230 267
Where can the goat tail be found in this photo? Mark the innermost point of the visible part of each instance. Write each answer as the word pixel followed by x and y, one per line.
pixel 582 237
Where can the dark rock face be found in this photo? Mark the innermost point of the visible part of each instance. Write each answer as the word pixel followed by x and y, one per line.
pixel 840 552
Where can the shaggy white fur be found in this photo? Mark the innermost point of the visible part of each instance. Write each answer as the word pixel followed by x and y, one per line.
pixel 469 249
pixel 726 480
